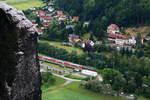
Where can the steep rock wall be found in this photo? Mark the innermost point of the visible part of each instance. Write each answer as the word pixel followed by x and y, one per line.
pixel 19 67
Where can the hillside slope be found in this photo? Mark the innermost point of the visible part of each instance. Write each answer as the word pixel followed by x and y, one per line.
pixel 101 13
pixel 143 30
pixel 24 4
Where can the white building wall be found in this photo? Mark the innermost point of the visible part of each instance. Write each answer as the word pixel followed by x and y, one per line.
pixel 109 30
pixel 89 73
pixel 120 41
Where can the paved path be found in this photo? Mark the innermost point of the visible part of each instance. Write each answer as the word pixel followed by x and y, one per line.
pixel 69 80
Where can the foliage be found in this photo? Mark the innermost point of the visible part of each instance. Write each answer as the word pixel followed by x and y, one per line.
pixel 74 92
pixel 127 73
pixel 98 87
pixel 74 77
pixel 47 79
pixel 59 53
pixel 103 48
pixel 30 15
pixel 70 49
pixel 115 78
pixel 146 86
pixel 101 13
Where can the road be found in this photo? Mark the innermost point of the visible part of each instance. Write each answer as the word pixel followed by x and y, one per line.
pixel 69 80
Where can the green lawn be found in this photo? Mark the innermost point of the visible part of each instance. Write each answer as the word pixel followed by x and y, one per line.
pixel 59 82
pixel 142 98
pixel 24 4
pixel 68 48
pixel 65 94
pixel 73 92
pixel 75 87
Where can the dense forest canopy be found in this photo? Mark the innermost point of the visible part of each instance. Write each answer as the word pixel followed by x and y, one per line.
pixel 103 12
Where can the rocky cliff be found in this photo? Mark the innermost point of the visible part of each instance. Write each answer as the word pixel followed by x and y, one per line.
pixel 19 67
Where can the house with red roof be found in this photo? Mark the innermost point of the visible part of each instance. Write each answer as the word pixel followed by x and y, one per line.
pixel 120 39
pixel 114 36
pixel 34 24
pixel 45 25
pixel 41 13
pixel 62 17
pixel 50 4
pixel 59 13
pixel 117 39
pixel 73 38
pixel 75 19
pixel 87 45
pixel 113 28
pixel 51 9
pixel 40 31
pixel 46 18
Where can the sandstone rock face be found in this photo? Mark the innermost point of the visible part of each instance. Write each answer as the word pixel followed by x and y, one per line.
pixel 19 67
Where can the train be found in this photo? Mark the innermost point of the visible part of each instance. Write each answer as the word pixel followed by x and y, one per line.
pixel 65 63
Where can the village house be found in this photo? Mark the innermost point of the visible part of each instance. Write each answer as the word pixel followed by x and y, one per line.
pixel 33 21
pixel 73 38
pixel 35 25
pixel 147 38
pixel 132 40
pixel 51 9
pixel 69 26
pixel 58 13
pixel 116 37
pixel 86 23
pixel 41 13
pixel 120 39
pixel 40 31
pixel 45 26
pixel 87 45
pixel 98 42
pixel 113 28
pixel 45 18
pixel 75 19
pixel 50 4
pixel 62 17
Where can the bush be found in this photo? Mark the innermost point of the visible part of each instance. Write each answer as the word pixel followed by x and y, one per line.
pixel 74 77
pixel 47 79
pixel 98 87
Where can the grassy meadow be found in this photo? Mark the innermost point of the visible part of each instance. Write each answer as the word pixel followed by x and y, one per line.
pixel 24 4
pixel 143 30
pixel 73 92
pixel 59 81
pixel 67 48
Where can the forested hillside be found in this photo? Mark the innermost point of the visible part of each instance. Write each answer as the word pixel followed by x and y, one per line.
pixel 101 13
